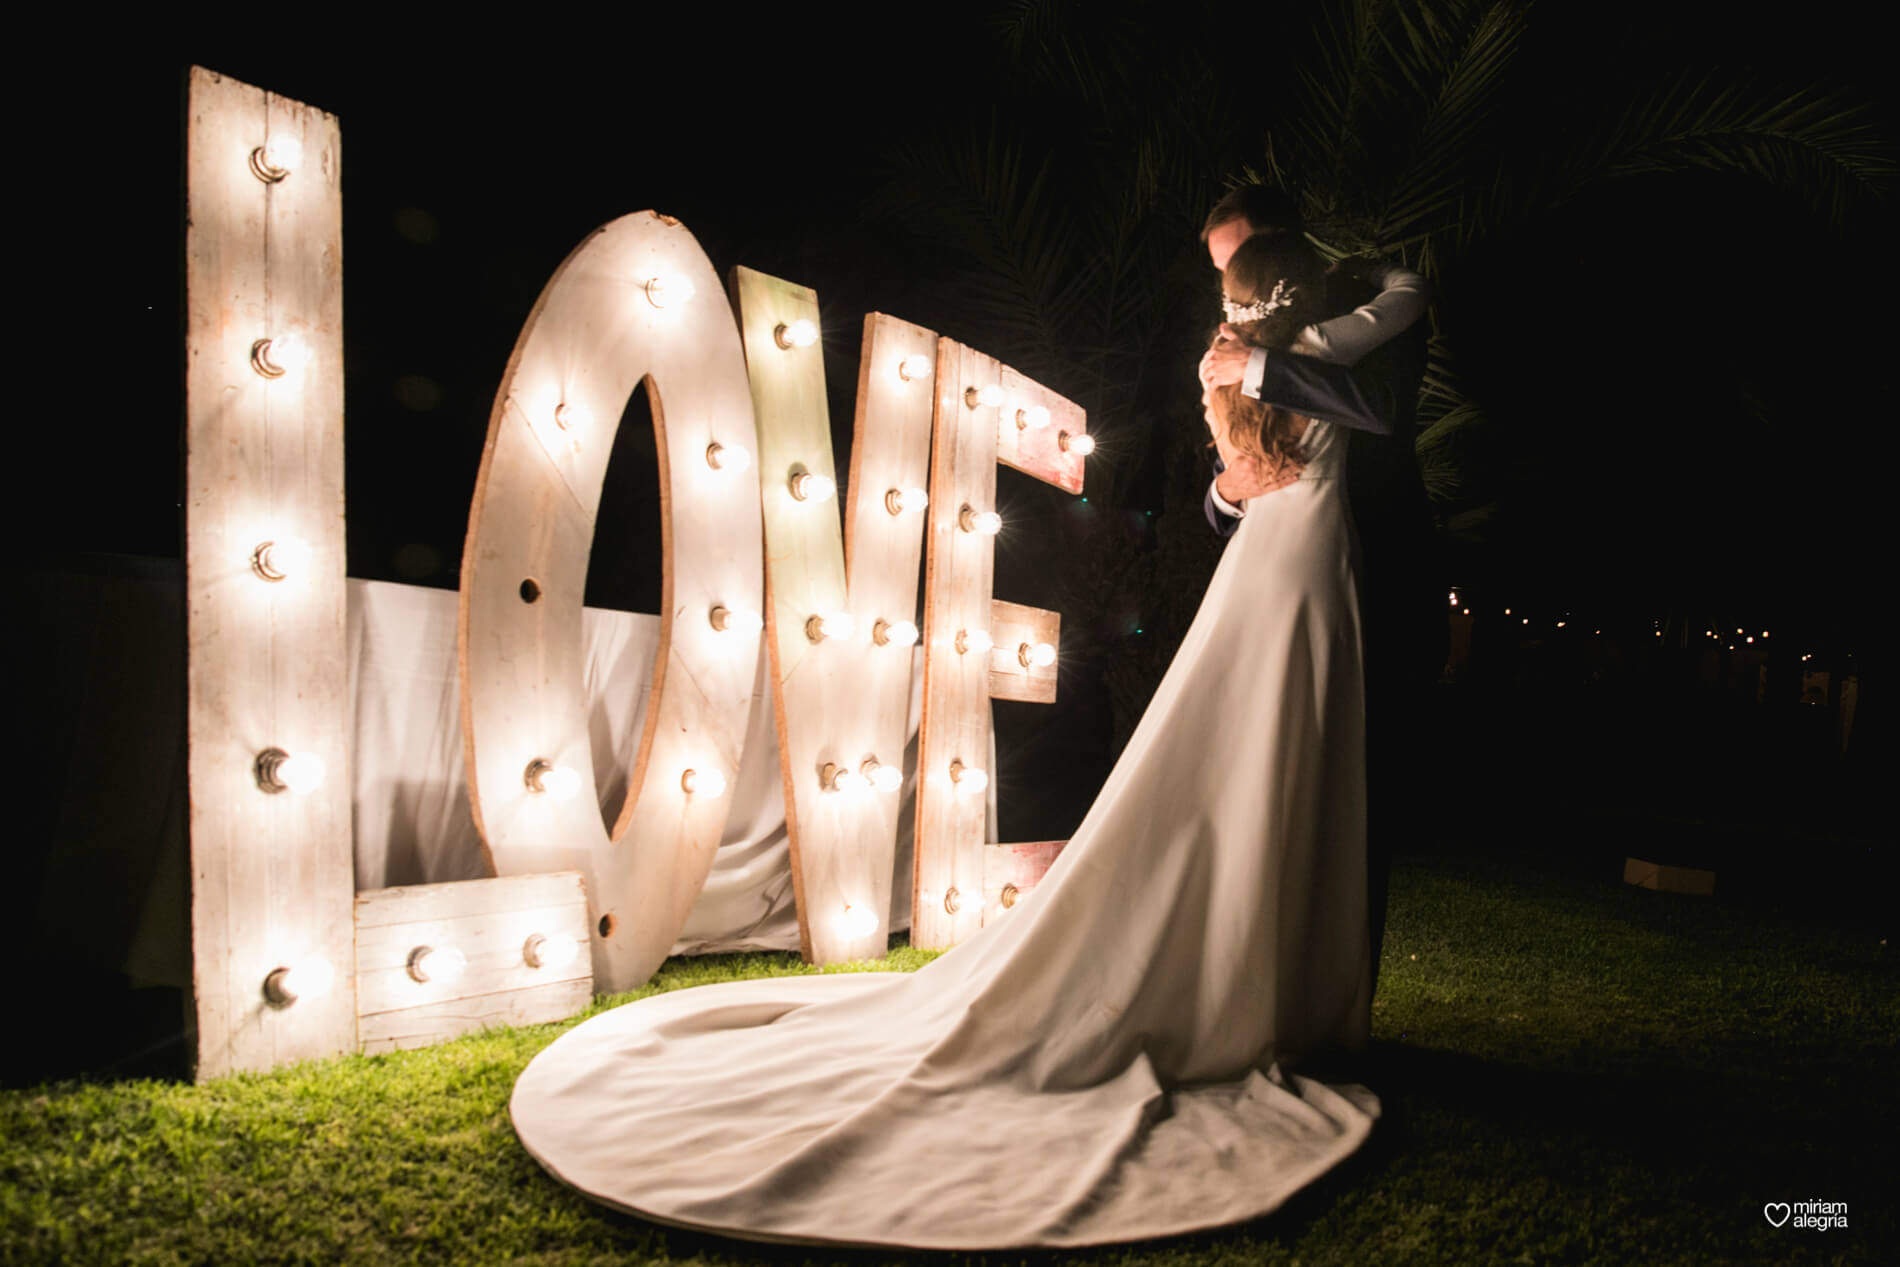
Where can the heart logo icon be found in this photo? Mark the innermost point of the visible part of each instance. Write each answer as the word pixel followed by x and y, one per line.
pixel 1776 1212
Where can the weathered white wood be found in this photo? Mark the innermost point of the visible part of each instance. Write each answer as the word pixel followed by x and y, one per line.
pixel 267 660
pixel 1012 625
pixel 410 903
pixel 841 701
pixel 436 1022
pixel 956 712
pixel 594 337
pixel 1036 450
pixel 1011 871
pixel 490 923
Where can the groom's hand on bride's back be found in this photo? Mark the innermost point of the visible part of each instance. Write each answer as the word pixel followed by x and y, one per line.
pixel 1244 478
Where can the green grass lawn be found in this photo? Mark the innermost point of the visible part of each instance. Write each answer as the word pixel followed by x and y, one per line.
pixel 1573 1071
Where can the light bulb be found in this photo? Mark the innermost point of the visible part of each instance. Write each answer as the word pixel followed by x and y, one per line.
pixel 549 950
pixel 277 157
pixel 831 625
pixel 900 633
pixel 708 783
pixel 736 620
pixel 669 289
pixel 1076 442
pixel 837 778
pixel 913 368
pixel 281 557
pixel 280 355
pixel 885 778
pixel 731 458
pixel 308 978
pixel 986 522
pixel 799 334
pixel 952 900
pixel 858 921
pixel 1034 418
pixel 991 395
pixel 899 500
pixel 443 965
pixel 281 771
pixel 560 782
pixel 968 779
pixel 570 417
pixel 1454 598
pixel 1039 656
pixel 301 772
pixel 973 641
pixel 807 486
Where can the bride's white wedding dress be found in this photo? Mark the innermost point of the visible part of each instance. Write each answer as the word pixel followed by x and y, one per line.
pixel 1111 1060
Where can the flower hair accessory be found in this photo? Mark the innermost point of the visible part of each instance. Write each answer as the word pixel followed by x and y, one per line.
pixel 1281 297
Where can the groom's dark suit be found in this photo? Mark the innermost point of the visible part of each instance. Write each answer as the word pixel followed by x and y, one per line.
pixel 1402 617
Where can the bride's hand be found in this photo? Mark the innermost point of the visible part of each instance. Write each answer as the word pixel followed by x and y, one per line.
pixel 1226 361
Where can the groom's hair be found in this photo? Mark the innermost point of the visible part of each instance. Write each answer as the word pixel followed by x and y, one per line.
pixel 1267 209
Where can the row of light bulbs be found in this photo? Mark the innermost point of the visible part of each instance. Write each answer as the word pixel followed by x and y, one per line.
pixel 312 977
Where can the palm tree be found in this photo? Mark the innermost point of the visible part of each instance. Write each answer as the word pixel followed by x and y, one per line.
pixel 1066 229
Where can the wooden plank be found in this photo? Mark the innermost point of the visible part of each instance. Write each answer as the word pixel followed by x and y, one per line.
pixel 599 331
pixel 1032 442
pixel 406 904
pixel 267 663
pixel 1665 879
pixel 840 701
pixel 1015 627
pixel 956 715
pixel 1011 871
pixel 436 1022
pixel 489 922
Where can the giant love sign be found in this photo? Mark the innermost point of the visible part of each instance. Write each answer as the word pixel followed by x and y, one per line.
pixel 751 547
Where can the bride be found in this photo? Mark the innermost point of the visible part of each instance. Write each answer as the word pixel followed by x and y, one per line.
pixel 1130 1052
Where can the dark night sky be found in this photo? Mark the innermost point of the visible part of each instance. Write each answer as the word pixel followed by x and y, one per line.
pixel 471 167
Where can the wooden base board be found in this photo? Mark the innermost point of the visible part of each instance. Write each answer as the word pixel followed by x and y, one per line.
pixel 1652 875
pixel 490 922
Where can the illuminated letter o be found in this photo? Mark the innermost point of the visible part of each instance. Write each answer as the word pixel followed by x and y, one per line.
pixel 637 301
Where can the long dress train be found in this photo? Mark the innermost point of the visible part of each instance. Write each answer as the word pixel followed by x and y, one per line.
pixel 1113 1059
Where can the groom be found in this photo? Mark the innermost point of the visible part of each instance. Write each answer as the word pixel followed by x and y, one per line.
pixel 1402 620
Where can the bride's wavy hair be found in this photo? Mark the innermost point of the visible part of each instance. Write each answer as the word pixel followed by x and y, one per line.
pixel 1261 263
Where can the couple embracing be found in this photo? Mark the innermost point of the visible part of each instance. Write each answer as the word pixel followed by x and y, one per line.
pixel 1149 1042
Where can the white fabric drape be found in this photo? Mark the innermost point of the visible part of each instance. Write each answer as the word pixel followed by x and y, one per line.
pixel 410 805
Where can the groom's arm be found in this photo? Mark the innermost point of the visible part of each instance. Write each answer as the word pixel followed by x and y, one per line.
pixel 1222 515
pixel 1320 389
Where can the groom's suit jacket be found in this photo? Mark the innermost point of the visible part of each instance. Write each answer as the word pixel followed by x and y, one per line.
pixel 1376 400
